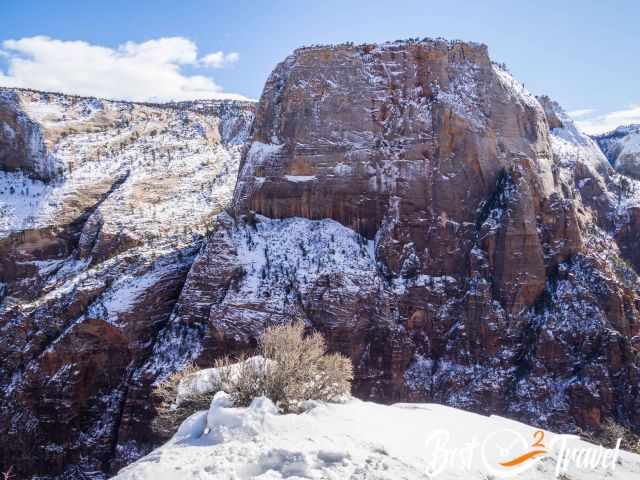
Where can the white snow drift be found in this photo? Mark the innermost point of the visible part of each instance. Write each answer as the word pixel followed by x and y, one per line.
pixel 362 440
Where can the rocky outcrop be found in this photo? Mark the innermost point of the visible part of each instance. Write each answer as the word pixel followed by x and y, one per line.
pixel 424 122
pixel 628 236
pixel 451 233
pixel 22 144
pixel 92 261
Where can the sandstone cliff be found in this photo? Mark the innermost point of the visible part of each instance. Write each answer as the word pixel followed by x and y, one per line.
pixel 460 239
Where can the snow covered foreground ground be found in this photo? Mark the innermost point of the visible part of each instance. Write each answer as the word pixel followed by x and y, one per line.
pixel 362 440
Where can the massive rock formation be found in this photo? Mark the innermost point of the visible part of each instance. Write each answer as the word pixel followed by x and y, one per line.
pixel 457 237
pixel 103 208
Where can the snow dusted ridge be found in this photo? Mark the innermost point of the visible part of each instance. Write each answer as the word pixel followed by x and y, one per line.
pixel 163 163
pixel 622 148
pixel 570 144
pixel 288 267
pixel 361 440
pixel 587 161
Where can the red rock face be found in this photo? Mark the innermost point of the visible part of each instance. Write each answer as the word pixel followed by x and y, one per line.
pixel 406 142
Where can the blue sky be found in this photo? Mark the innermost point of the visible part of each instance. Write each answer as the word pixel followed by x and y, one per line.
pixel 585 54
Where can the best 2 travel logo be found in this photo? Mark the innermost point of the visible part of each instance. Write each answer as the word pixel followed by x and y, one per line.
pixel 507 453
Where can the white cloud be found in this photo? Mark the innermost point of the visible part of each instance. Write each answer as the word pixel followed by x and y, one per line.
pixel 148 71
pixel 581 113
pixel 603 123
pixel 219 59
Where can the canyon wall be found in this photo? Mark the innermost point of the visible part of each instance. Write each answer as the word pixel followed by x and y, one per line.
pixel 103 207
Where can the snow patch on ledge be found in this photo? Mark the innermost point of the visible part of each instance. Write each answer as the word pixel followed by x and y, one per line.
pixel 300 178
pixel 296 250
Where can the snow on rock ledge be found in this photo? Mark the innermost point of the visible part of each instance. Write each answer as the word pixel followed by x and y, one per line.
pixel 570 144
pixel 208 380
pixel 262 271
pixel 355 440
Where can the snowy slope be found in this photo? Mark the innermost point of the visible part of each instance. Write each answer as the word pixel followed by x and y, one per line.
pixel 569 144
pixel 357 440
pixel 288 267
pixel 586 162
pixel 170 162
pixel 622 148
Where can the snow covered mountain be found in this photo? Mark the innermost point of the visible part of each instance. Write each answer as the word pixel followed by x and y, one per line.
pixel 622 148
pixel 458 238
pixel 103 206
pixel 166 162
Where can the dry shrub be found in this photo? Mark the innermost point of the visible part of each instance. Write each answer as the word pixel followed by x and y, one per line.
pixel 334 382
pixel 290 378
pixel 300 368
pixel 611 431
pixel 296 368
pixel 241 377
